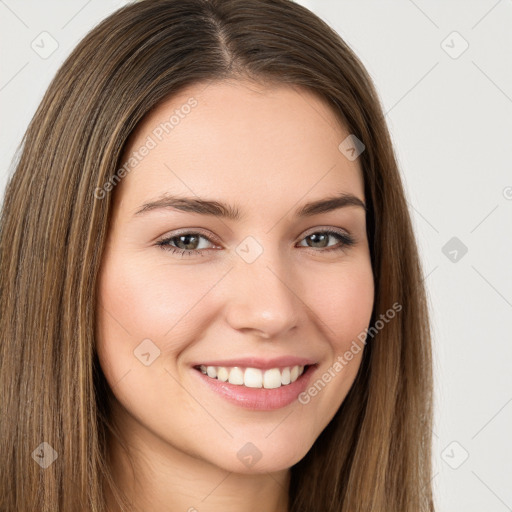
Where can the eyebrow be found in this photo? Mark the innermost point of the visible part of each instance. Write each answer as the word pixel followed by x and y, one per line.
pixel 233 212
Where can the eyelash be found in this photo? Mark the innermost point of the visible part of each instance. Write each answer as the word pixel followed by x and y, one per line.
pixel 347 241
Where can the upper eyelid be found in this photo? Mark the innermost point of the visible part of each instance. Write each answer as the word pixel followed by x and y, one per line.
pixel 320 229
pixel 194 231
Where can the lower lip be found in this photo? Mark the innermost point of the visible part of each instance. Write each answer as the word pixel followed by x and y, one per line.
pixel 259 399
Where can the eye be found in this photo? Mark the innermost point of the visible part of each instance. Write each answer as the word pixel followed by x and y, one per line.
pixel 185 243
pixel 320 240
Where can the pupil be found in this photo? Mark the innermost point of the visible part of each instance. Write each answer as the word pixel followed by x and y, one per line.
pixel 188 237
pixel 314 238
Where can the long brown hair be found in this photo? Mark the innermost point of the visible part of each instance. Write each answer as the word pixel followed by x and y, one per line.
pixel 375 454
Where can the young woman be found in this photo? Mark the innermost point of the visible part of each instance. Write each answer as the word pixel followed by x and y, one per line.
pixel 211 296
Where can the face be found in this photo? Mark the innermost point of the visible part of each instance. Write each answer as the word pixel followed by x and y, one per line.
pixel 216 319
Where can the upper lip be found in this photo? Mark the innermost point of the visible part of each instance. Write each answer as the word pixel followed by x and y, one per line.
pixel 256 362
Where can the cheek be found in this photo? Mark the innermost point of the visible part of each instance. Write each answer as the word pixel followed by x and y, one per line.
pixel 344 309
pixel 145 299
pixel 345 304
pixel 145 315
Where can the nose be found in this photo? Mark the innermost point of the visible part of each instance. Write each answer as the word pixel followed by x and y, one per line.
pixel 262 298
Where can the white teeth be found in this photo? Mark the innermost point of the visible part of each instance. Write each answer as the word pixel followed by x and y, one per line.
pixel 236 376
pixel 222 374
pixel 272 379
pixel 254 377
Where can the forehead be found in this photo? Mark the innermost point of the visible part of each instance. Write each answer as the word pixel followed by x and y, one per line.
pixel 234 138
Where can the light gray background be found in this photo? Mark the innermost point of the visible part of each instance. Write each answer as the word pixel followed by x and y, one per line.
pixel 450 117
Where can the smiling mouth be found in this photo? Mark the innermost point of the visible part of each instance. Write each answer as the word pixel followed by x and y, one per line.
pixel 271 378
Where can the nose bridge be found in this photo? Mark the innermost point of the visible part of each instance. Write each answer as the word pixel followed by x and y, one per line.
pixel 262 297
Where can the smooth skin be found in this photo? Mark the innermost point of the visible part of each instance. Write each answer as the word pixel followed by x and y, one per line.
pixel 267 150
